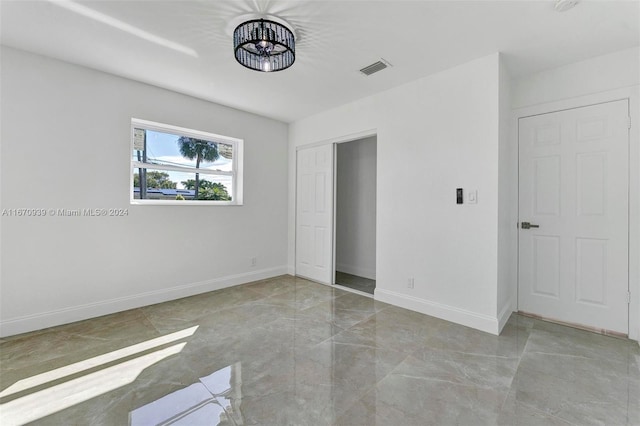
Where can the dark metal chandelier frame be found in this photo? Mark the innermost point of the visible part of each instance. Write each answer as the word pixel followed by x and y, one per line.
pixel 264 45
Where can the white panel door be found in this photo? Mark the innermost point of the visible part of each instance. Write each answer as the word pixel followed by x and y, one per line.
pixel 314 213
pixel 573 184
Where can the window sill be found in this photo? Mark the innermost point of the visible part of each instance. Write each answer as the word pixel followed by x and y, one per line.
pixel 183 203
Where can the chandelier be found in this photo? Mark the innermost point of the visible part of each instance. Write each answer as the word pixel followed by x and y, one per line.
pixel 264 45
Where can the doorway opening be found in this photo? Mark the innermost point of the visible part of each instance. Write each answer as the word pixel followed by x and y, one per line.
pixel 355 215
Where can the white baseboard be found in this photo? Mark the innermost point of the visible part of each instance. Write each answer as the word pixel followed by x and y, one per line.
pixel 504 315
pixel 70 314
pixel 449 313
pixel 355 270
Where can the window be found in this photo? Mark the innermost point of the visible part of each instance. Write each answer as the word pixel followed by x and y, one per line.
pixel 174 165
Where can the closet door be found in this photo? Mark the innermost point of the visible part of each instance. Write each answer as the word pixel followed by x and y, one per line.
pixel 314 213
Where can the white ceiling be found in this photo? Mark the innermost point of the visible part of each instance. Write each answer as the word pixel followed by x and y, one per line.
pixel 192 50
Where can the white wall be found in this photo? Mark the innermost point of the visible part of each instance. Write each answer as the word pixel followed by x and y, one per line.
pixel 356 208
pixel 65 144
pixel 596 75
pixel 601 79
pixel 434 135
pixel 507 205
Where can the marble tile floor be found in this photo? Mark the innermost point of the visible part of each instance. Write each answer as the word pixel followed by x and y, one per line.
pixel 355 282
pixel 286 351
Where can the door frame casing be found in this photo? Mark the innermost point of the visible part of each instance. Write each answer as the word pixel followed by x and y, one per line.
pixel 632 95
pixel 334 142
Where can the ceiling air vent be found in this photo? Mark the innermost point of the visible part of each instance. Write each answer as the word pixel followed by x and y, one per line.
pixel 375 67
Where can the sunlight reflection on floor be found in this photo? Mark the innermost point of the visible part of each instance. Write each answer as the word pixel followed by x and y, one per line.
pixel 36 405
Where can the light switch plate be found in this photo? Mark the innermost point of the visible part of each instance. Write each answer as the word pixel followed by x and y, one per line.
pixel 472 197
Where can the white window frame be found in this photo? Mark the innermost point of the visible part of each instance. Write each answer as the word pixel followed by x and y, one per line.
pixel 236 173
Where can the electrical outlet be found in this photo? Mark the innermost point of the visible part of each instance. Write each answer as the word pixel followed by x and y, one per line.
pixel 410 282
pixel 254 261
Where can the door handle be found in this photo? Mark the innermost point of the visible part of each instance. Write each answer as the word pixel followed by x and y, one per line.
pixel 527 225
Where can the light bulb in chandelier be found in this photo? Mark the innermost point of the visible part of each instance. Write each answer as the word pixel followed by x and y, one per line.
pixel 266 64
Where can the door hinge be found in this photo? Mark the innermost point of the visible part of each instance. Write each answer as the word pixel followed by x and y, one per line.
pixel 628 297
pixel 628 122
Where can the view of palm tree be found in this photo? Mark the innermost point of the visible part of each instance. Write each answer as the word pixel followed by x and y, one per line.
pixel 189 154
pixel 199 150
